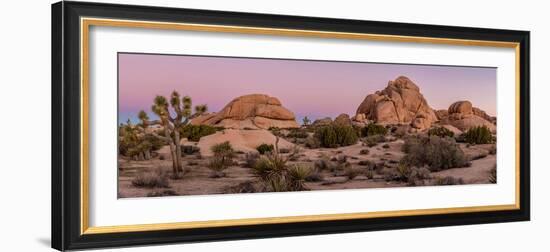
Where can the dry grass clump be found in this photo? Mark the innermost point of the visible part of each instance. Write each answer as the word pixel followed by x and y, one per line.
pixel 448 181
pixel 151 179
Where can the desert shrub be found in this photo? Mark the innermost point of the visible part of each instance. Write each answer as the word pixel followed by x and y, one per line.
pixel 284 150
pixel 270 165
pixel 151 179
pixel 250 159
pixel 323 164
pixel 195 132
pixel 493 150
pixel 314 176
pixel 161 193
pixel 278 177
pixel 161 157
pixel 364 152
pixel 312 142
pixel 448 181
pixel 478 135
pixel 223 158
pixel 369 174
pixel 386 146
pixel 440 132
pixel 369 164
pixel 371 141
pixel 265 148
pixel 332 136
pixel 297 133
pixel 435 152
pixel 374 129
pixel 190 149
pixel 350 172
pixel 243 187
pixel 493 175
pixel 297 175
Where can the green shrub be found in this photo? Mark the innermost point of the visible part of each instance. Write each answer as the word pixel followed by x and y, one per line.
pixel 374 129
pixel 371 141
pixel 223 158
pixel 265 148
pixel 332 136
pixel 151 179
pixel 478 135
pixel 312 142
pixel 297 133
pixel 435 152
pixel 440 132
pixel 195 132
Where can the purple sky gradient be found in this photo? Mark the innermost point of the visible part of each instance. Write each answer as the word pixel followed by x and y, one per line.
pixel 308 88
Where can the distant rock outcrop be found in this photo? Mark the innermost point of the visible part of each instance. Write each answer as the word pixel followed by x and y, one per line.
pixel 400 102
pixel 254 111
pixel 343 119
pixel 463 115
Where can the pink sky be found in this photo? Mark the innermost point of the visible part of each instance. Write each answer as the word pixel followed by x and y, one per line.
pixel 308 88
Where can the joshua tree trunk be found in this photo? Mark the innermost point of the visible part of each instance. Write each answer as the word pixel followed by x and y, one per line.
pixel 178 151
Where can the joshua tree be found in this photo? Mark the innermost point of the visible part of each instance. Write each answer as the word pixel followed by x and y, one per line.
pixel 171 124
pixel 306 121
pixel 134 144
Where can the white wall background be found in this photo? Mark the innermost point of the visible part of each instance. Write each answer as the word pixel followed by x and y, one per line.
pixel 25 110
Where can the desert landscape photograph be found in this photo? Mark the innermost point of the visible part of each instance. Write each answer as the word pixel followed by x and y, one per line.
pixel 199 125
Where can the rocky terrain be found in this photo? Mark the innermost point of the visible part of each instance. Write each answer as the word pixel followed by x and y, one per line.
pixel 255 144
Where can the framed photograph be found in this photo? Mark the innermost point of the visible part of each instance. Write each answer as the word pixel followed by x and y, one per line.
pixel 180 125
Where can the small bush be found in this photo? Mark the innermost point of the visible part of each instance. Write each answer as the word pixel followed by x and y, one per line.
pixel 440 132
pixel 478 135
pixel 493 150
pixel 250 159
pixel 265 148
pixel 151 179
pixel 314 176
pixel 435 152
pixel 323 164
pixel 493 175
pixel 243 187
pixel 312 142
pixel 386 146
pixel 195 132
pixel 449 181
pixel 374 129
pixel 372 141
pixel 297 133
pixel 332 136
pixel 223 158
pixel 190 149
pixel 364 152
pixel 351 172
pixel 162 193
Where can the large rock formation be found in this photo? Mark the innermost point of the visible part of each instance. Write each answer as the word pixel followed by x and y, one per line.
pixel 463 115
pixel 254 111
pixel 400 102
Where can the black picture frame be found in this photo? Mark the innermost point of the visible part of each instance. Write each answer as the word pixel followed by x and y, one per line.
pixel 66 155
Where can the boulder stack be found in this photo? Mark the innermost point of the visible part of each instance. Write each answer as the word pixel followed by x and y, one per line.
pixel 254 111
pixel 399 103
